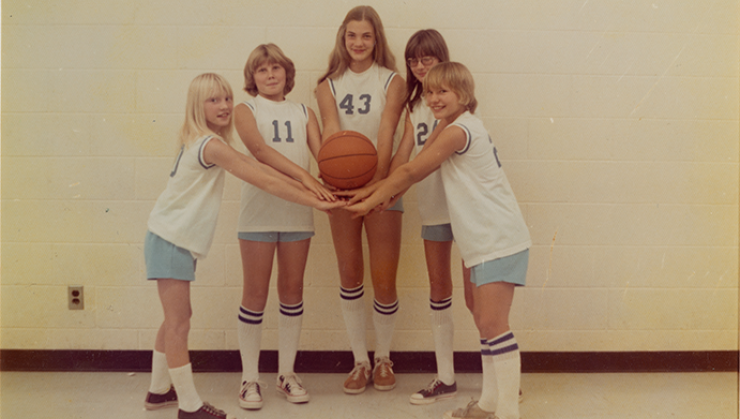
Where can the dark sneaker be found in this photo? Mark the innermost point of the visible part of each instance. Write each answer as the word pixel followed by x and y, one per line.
pixel 290 386
pixel 157 401
pixel 436 390
pixel 205 412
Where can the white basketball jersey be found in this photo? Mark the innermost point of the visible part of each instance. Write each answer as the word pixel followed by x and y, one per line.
pixel 361 98
pixel 185 213
pixel 430 192
pixel 283 127
pixel 485 217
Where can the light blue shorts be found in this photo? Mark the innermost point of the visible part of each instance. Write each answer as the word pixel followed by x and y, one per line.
pixel 165 260
pixel 437 233
pixel 398 205
pixel 275 236
pixel 511 269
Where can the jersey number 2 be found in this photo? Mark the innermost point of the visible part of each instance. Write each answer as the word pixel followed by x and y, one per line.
pixel 422 130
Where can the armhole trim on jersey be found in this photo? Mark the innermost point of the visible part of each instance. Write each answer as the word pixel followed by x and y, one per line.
pixel 332 88
pixel 305 111
pixel 201 157
pixel 250 106
pixel 468 138
pixel 388 82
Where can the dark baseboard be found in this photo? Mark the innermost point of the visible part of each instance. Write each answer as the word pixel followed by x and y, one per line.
pixel 403 362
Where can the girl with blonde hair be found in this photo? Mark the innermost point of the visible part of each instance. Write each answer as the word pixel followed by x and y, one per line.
pixel 181 229
pixel 488 225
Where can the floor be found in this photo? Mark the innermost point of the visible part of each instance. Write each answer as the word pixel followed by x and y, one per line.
pixel 572 396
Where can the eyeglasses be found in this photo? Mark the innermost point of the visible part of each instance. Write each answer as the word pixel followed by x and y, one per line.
pixel 412 62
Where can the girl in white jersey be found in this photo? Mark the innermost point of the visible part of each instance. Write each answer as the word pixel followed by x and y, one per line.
pixel 424 49
pixel 181 228
pixel 282 134
pixel 361 92
pixel 488 226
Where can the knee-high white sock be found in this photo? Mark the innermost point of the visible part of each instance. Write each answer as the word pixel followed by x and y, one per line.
pixel 443 330
pixel 289 334
pixel 384 320
pixel 489 390
pixel 353 309
pixel 161 381
pixel 187 397
pixel 504 351
pixel 249 331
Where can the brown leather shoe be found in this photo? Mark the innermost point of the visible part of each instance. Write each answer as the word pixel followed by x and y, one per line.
pixel 383 377
pixel 358 378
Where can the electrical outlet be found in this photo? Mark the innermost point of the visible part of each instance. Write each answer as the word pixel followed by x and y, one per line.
pixel 76 297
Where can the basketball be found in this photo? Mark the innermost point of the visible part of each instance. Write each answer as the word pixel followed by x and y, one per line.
pixel 347 160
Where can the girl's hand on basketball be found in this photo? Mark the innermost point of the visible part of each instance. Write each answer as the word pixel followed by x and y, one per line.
pixel 329 187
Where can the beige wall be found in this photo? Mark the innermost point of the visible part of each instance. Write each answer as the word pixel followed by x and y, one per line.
pixel 617 123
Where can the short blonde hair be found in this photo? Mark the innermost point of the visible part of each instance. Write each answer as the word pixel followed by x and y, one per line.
pixel 268 53
pixel 455 77
pixel 202 88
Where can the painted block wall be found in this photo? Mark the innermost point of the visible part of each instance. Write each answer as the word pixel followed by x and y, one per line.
pixel 617 124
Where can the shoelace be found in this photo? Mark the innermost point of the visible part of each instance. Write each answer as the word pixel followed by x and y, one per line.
pixel 384 366
pixel 433 386
pixel 463 411
pixel 356 371
pixel 292 382
pixel 252 387
pixel 212 410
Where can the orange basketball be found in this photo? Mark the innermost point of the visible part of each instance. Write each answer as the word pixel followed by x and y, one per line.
pixel 347 160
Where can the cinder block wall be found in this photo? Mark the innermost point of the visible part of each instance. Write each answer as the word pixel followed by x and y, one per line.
pixel 617 123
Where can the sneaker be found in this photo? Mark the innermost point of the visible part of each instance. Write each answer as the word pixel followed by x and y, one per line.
pixel 290 385
pixel 383 377
pixel 471 411
pixel 205 412
pixel 436 390
pixel 157 401
pixel 250 396
pixel 358 378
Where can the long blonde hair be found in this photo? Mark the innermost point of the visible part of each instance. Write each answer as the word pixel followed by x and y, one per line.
pixel 201 89
pixel 339 58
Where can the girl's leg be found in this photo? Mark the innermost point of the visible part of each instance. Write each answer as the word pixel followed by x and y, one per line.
pixel 292 258
pixel 384 242
pixel 347 235
pixel 161 381
pixel 175 297
pixel 257 268
pixel 499 349
pixel 468 286
pixel 440 301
